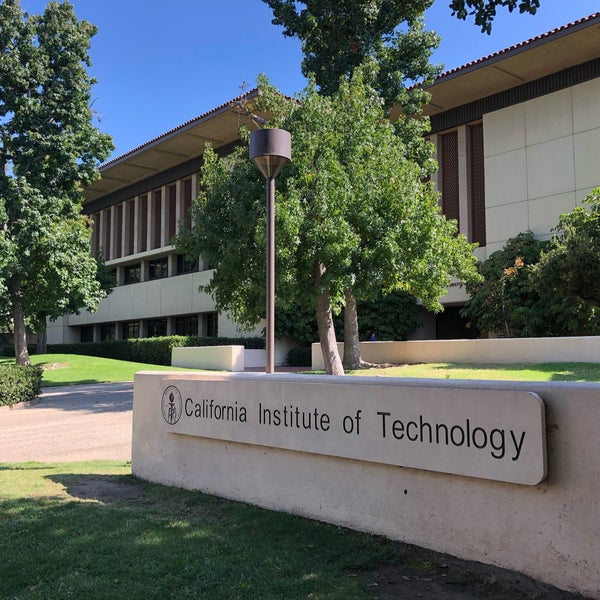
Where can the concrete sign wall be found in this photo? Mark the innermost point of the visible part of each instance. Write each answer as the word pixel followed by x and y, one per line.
pixel 481 433
pixel 450 465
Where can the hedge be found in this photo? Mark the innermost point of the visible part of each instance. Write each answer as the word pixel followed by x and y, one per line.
pixel 19 383
pixel 9 351
pixel 299 357
pixel 153 351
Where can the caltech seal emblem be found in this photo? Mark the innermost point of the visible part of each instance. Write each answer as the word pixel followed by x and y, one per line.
pixel 171 405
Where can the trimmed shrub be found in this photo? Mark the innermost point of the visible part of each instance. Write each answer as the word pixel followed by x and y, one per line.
pixel 299 357
pixel 152 351
pixel 19 383
pixel 9 351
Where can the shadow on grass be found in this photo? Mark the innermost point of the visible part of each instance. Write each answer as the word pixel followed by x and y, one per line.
pixel 113 536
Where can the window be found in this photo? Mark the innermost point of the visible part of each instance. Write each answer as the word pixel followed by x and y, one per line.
pixel 185 264
pixel 187 325
pixel 118 231
pixel 131 329
pixel 171 212
pixel 187 203
pixel 132 273
pixel 107 332
pixel 158 268
pixel 212 324
pixel 130 217
pixel 86 333
pixel 157 219
pixel 107 227
pixel 143 223
pixel 157 327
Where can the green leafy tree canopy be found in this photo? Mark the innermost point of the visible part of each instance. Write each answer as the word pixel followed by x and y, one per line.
pixel 49 152
pixel 352 213
pixel 338 37
pixel 484 11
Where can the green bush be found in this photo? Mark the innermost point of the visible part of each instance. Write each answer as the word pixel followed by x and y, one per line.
pixel 299 357
pixel 9 351
pixel 152 351
pixel 19 383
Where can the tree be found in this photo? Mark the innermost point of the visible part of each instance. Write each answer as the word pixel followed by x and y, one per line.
pixel 392 316
pixel 353 215
pixel 525 288
pixel 571 266
pixel 49 151
pixel 504 302
pixel 337 37
pixel 484 11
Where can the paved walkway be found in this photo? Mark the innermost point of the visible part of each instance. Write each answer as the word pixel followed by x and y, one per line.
pixel 74 423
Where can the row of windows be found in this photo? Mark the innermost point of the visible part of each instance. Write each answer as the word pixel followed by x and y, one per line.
pixel 147 222
pixel 155 268
pixel 205 324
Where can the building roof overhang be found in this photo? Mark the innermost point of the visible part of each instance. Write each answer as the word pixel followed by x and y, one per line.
pixel 219 127
pixel 567 46
pixel 557 50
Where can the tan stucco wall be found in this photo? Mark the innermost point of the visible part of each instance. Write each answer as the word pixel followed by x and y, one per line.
pixel 502 350
pixel 541 160
pixel 550 531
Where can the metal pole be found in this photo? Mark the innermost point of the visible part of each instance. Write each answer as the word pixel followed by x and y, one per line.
pixel 270 341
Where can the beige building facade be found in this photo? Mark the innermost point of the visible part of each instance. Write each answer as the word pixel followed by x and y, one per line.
pixel 517 136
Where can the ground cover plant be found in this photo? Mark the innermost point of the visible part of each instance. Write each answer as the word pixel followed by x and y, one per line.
pixel 92 530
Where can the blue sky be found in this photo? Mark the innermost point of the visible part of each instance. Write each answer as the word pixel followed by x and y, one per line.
pixel 160 63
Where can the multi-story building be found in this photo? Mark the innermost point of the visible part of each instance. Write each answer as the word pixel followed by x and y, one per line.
pixel 518 143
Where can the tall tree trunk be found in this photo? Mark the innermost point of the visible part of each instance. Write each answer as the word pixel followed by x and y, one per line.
pixel 19 330
pixel 331 356
pixel 352 358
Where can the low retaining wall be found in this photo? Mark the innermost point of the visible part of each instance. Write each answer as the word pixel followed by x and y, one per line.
pixel 217 358
pixel 385 455
pixel 500 350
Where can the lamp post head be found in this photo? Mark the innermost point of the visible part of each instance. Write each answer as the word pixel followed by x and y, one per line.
pixel 270 150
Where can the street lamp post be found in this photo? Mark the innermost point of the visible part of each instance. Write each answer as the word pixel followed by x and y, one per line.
pixel 270 151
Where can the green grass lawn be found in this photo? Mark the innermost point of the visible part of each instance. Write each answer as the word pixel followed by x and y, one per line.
pixel 91 530
pixel 507 372
pixel 72 369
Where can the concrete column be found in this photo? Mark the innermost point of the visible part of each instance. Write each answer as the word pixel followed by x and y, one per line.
pixel 172 265
pixel 170 325
pixel 144 270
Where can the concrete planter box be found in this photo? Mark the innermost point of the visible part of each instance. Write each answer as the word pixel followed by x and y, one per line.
pixel 501 350
pixel 218 358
